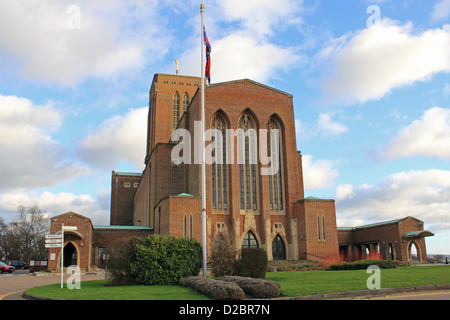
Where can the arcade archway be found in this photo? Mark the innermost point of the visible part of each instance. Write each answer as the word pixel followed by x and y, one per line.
pixel 70 255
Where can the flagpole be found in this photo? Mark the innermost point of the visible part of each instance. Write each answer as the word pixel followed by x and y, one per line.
pixel 202 10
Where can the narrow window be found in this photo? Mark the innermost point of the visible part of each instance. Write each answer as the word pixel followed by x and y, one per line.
pixel 176 109
pixel 276 179
pixel 318 227
pixel 323 227
pixel 219 174
pixel 185 101
pixel 248 164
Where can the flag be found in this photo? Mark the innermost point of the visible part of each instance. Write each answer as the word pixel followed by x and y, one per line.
pixel 208 58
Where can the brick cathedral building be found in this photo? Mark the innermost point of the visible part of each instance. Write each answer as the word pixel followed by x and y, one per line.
pixel 244 207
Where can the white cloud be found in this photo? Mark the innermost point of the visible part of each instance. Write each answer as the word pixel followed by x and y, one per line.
pixel 327 125
pixel 441 11
pixel 428 136
pixel 121 138
pixel 248 50
pixel 324 127
pixel 368 64
pixel 318 173
pixel 422 194
pixel 29 155
pixel 261 16
pixel 57 203
pixel 36 34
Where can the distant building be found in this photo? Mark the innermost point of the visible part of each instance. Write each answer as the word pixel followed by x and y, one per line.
pixel 244 207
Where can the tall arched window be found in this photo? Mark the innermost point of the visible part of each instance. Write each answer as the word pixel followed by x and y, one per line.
pixel 250 241
pixel 176 109
pixel 276 179
pixel 219 176
pixel 185 101
pixel 248 167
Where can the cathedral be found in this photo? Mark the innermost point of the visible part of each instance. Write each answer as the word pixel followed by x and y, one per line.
pixel 245 207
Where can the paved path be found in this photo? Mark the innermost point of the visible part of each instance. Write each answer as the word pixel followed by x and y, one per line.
pixel 12 288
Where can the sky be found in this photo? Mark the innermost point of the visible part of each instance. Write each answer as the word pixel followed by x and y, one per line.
pixel 369 78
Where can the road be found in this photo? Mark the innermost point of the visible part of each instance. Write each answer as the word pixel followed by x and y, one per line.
pixel 434 296
pixel 13 285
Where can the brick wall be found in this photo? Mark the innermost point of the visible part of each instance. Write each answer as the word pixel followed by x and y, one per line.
pixel 123 189
pixel 80 239
pixel 318 239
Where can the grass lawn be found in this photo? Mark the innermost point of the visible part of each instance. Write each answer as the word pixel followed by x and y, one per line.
pixel 99 290
pixel 322 281
pixel 292 284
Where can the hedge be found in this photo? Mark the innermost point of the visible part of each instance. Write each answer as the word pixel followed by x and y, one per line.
pixel 164 260
pixel 364 264
pixel 252 263
pixel 214 289
pixel 256 288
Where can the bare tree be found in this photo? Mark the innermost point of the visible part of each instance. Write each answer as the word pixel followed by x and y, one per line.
pixel 28 233
pixel 3 231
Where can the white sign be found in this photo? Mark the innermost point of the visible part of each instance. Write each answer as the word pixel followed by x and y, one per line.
pixel 53 236
pixel 52 256
pixel 53 240
pixel 53 245
pixel 70 228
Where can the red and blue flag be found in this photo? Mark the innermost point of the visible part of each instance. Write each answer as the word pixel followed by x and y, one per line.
pixel 208 58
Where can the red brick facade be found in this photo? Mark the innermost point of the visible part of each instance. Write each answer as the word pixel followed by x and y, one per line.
pixel 83 247
pixel 163 206
pixel 242 205
pixel 391 240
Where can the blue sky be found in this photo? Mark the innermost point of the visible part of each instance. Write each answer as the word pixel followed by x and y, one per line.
pixel 371 96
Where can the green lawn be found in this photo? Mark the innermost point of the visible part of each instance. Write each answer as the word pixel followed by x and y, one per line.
pixel 99 290
pixel 292 284
pixel 322 281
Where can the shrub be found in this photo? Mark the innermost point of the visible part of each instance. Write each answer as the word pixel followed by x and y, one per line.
pixel 364 264
pixel 118 264
pixel 164 260
pixel 257 288
pixel 252 263
pixel 222 258
pixel 214 289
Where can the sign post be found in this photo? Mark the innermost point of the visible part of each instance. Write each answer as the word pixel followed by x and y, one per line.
pixel 57 241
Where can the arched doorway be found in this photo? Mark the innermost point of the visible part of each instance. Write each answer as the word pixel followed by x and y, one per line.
pixel 70 255
pixel 413 252
pixel 278 249
pixel 389 253
pixel 250 241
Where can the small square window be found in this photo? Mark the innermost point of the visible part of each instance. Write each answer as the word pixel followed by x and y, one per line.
pixel 127 184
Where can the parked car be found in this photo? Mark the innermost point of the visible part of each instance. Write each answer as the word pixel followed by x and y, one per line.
pixel 6 268
pixel 20 265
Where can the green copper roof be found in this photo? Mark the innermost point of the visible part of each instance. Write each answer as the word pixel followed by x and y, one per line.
pixel 369 225
pixel 123 228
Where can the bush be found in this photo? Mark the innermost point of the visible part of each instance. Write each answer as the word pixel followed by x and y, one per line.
pixel 364 264
pixel 257 288
pixel 252 263
pixel 118 264
pixel 222 258
pixel 214 289
pixel 164 260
